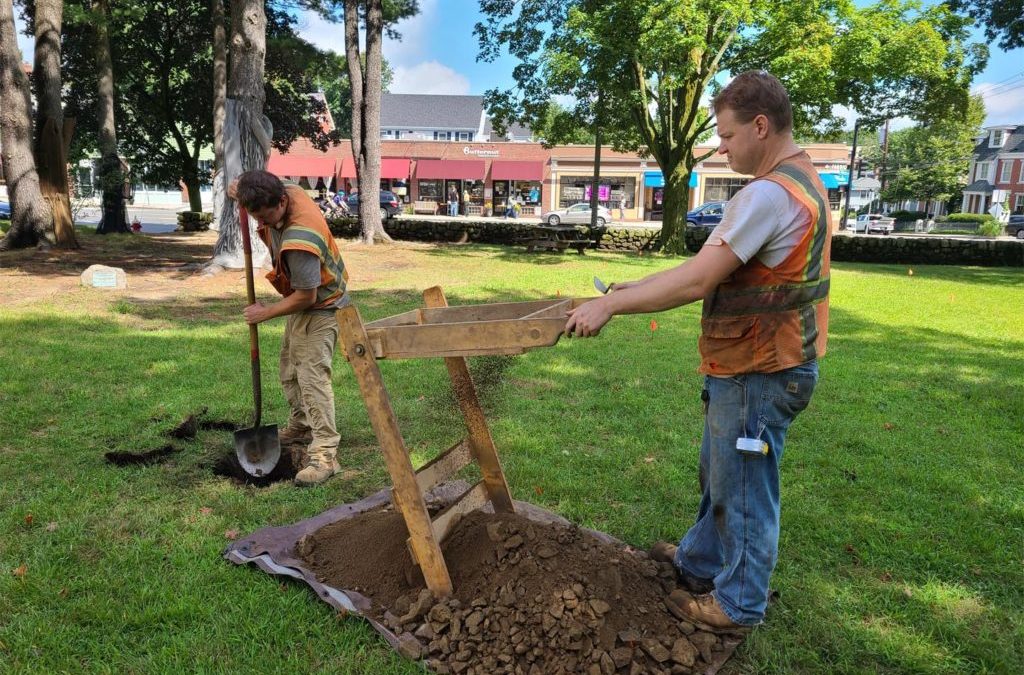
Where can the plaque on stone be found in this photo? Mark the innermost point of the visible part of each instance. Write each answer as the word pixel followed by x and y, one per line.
pixel 101 276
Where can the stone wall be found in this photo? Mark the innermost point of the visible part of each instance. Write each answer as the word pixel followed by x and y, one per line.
pixel 928 250
pixel 921 250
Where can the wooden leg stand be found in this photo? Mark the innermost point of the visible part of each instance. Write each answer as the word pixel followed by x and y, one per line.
pixel 409 486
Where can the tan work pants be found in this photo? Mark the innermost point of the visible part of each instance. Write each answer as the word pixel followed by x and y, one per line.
pixel 307 353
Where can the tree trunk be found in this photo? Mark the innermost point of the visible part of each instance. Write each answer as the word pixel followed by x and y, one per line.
pixel 190 177
pixel 677 197
pixel 366 93
pixel 247 96
pixel 50 143
pixel 112 176
pixel 220 87
pixel 595 186
pixel 31 222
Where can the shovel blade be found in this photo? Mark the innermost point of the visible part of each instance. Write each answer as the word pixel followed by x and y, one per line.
pixel 258 449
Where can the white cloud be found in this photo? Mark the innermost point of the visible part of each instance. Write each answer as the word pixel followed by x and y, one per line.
pixel 428 77
pixel 1002 101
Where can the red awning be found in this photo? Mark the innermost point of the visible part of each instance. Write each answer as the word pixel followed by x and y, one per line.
pixel 517 171
pixel 295 166
pixel 393 167
pixel 456 169
pixel 348 168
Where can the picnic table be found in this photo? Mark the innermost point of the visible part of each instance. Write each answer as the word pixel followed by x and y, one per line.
pixel 557 238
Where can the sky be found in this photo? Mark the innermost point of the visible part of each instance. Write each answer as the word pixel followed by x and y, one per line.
pixel 437 55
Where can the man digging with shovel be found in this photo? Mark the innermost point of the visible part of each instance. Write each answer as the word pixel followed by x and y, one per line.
pixel 310 274
pixel 763 275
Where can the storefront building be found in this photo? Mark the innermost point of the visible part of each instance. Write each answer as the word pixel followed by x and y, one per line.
pixel 489 178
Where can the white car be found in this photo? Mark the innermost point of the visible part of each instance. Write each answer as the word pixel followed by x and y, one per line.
pixel 872 222
pixel 577 214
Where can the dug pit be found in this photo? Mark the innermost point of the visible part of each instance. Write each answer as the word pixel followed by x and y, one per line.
pixel 530 597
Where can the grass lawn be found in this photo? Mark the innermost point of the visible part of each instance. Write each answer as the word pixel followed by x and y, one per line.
pixel 903 509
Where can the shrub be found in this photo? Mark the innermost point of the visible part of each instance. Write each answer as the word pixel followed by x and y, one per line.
pixel 908 215
pixel 990 228
pixel 969 218
pixel 194 221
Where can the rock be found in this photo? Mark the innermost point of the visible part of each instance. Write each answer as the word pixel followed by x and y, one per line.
pixel 600 607
pixel 440 614
pixel 546 551
pixel 494 532
pixel 655 649
pixel 409 647
pixel 425 632
pixel 686 628
pixel 629 637
pixel 703 640
pixel 102 276
pixel 621 656
pixel 515 541
pixel 683 652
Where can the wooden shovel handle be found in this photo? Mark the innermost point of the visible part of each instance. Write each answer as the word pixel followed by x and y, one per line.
pixel 254 335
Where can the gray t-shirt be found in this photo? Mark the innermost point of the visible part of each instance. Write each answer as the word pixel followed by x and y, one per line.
pixel 304 273
pixel 762 220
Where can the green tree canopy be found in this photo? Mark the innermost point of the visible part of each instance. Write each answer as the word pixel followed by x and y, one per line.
pixel 1002 20
pixel 658 61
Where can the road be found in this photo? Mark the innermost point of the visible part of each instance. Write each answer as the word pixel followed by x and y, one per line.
pixel 154 221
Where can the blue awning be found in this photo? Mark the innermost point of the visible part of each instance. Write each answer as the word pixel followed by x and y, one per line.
pixel 834 180
pixel 656 179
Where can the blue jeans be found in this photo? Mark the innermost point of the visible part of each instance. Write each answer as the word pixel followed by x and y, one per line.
pixel 453 208
pixel 735 540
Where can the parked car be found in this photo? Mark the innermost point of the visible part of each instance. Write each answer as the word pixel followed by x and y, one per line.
pixel 389 205
pixel 5 210
pixel 1014 228
pixel 577 214
pixel 873 222
pixel 706 216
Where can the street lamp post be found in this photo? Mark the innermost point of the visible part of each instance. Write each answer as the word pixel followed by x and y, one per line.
pixel 849 176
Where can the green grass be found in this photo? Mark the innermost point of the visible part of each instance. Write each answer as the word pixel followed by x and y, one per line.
pixel 903 513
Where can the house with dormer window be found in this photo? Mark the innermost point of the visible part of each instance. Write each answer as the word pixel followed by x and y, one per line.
pixel 429 117
pixel 996 173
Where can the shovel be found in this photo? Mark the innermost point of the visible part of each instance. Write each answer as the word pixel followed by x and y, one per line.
pixel 258 449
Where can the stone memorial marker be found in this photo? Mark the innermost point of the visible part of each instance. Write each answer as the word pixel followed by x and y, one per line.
pixel 101 276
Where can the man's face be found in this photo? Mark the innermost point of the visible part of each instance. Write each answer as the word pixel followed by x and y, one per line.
pixel 742 142
pixel 270 216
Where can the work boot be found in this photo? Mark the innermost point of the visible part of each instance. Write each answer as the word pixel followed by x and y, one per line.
pixel 316 471
pixel 289 435
pixel 662 551
pixel 702 609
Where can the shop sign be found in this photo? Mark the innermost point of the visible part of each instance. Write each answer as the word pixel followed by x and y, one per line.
pixel 479 152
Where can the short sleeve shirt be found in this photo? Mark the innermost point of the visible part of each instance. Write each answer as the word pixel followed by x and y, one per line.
pixel 762 220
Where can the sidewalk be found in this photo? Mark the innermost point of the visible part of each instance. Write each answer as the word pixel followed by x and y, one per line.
pixel 530 220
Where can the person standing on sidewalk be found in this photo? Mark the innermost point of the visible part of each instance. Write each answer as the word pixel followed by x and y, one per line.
pixel 763 276
pixel 310 274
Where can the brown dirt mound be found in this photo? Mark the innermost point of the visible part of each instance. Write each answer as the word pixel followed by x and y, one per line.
pixel 228 467
pixel 529 598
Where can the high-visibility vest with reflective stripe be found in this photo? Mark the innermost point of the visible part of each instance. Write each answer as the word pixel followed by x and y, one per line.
pixel 765 319
pixel 306 230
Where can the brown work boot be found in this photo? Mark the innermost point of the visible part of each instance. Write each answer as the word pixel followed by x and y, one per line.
pixel 662 551
pixel 702 609
pixel 289 435
pixel 316 471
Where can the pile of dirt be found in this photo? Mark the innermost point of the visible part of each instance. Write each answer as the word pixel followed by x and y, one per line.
pixel 228 467
pixel 529 598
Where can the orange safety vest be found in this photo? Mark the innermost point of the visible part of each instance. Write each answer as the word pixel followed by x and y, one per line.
pixel 306 230
pixel 765 319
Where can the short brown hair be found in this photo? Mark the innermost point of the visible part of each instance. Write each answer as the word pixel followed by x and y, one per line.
pixel 753 93
pixel 259 189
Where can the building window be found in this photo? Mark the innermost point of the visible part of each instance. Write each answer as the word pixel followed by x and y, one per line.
pixel 610 191
pixel 465 136
pixel 442 135
pixel 385 133
pixel 1018 207
pixel 722 189
pixel 983 171
pixel 429 190
pixel 1005 169
pixel 996 137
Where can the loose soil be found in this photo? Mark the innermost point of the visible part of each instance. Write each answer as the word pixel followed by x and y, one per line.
pixel 154 456
pixel 228 467
pixel 529 598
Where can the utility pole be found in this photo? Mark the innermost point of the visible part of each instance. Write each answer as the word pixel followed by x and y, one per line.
pixel 885 155
pixel 849 176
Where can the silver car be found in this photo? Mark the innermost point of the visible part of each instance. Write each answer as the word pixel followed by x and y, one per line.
pixel 873 222
pixel 577 214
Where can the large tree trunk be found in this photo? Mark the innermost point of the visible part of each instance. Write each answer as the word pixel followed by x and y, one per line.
pixel 677 197
pixel 366 94
pixel 595 186
pixel 245 122
pixel 31 222
pixel 190 177
pixel 50 142
pixel 112 175
pixel 220 89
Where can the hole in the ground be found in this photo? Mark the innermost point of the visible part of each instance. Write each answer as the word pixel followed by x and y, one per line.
pixel 134 458
pixel 228 467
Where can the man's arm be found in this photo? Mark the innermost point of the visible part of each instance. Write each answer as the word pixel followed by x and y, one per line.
pixel 681 285
pixel 299 300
